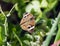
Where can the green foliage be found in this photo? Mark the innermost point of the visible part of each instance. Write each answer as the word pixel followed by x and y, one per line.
pixel 58 33
pixel 11 34
pixel 2 18
pixel 2 29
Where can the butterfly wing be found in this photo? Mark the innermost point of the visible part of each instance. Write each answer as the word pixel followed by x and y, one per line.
pixel 28 23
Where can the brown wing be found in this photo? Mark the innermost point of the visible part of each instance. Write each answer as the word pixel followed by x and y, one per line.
pixel 26 18
pixel 27 21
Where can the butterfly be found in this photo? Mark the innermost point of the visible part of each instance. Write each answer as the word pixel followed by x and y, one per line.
pixel 28 22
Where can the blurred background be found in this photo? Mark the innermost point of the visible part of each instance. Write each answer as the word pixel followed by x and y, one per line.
pixel 11 13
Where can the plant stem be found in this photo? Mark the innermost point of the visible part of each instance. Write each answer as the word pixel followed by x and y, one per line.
pixel 5 23
pixel 11 10
pixel 17 38
pixel 48 38
pixel 58 34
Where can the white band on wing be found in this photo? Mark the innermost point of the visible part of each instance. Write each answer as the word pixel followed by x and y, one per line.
pixel 31 28
pixel 25 15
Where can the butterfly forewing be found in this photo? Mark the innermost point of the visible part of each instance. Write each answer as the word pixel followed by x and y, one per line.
pixel 28 22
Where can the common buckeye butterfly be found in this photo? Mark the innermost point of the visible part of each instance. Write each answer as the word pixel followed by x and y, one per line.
pixel 28 22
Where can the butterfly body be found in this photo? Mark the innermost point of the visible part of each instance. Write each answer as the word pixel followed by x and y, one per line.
pixel 28 22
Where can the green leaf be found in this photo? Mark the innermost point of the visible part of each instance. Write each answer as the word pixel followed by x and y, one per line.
pixel 2 34
pixel 2 19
